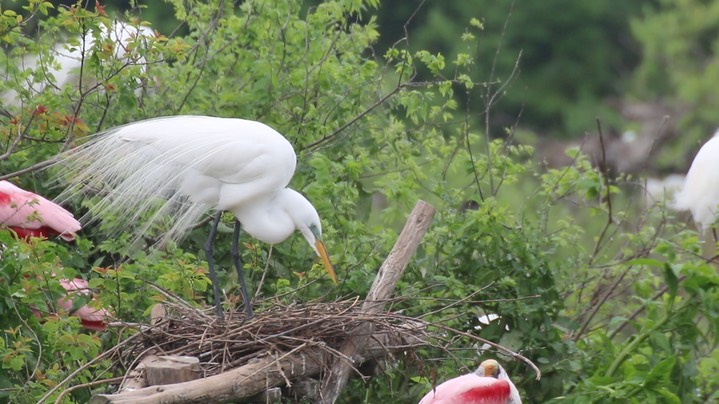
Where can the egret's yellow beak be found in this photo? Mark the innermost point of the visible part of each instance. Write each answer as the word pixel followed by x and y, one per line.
pixel 325 259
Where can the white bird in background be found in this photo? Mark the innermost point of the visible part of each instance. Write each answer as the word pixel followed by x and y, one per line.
pixel 700 193
pixel 181 167
pixel 489 384
pixel 662 190
pixel 67 59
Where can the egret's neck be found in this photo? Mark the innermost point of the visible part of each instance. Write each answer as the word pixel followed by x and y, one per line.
pixel 273 219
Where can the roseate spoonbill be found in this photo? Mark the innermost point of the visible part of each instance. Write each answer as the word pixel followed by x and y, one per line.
pixel 489 384
pixel 181 167
pixel 700 193
pixel 90 318
pixel 31 215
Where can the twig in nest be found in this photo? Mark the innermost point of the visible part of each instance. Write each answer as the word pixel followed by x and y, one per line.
pixel 277 329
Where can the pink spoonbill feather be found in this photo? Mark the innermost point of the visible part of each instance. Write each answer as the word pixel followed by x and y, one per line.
pixel 92 319
pixel 31 215
pixel 489 384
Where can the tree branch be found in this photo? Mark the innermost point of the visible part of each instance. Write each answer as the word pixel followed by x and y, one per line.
pixel 382 288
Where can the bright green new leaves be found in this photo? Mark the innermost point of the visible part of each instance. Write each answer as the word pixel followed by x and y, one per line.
pixel 613 303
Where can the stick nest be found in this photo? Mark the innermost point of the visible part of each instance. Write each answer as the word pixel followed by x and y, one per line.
pixel 223 345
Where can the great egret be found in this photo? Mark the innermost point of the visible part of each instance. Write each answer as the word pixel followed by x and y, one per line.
pixel 700 193
pixel 489 384
pixel 181 167
pixel 30 215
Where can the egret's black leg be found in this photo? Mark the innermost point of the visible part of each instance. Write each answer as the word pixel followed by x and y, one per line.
pixel 236 259
pixel 211 264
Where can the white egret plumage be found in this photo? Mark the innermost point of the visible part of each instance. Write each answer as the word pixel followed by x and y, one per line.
pixel 659 190
pixel 181 167
pixel 700 193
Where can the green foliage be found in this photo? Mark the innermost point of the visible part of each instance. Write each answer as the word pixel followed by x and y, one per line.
pixel 679 67
pixel 555 80
pixel 612 304
pixel 39 348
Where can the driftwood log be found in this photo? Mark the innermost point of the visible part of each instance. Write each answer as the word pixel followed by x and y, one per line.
pixel 172 369
pixel 365 339
pixel 381 291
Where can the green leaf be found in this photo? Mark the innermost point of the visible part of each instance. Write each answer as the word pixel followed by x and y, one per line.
pixel 671 279
pixel 660 373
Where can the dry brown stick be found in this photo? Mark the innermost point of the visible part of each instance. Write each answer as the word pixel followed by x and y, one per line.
pixel 242 382
pixel 382 288
pixel 88 384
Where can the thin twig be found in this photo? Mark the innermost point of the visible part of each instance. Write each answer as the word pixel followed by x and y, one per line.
pixel 608 197
pixel 490 97
pixel 643 307
pixel 72 375
pixel 32 168
pixel 88 384
pixel 493 345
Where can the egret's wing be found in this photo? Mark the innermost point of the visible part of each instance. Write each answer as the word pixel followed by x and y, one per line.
pixel 700 193
pixel 179 168
pixel 231 150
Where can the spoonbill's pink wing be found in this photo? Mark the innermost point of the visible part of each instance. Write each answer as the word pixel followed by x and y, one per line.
pixel 30 214
pixel 469 389
pixel 90 318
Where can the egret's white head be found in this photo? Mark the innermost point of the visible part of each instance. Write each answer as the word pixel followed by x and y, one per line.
pixel 307 221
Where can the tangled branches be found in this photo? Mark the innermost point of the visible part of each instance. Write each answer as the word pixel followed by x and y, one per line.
pixel 278 329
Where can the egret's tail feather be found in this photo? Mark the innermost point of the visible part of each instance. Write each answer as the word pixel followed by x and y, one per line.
pixel 137 183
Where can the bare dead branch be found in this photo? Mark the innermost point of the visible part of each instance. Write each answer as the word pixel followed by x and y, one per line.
pixel 389 273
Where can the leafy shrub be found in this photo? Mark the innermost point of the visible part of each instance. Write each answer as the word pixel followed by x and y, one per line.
pixel 611 302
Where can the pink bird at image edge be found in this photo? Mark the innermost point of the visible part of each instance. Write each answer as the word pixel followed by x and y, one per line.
pixel 31 215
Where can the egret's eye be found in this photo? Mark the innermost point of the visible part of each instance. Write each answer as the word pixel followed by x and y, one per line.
pixel 316 231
